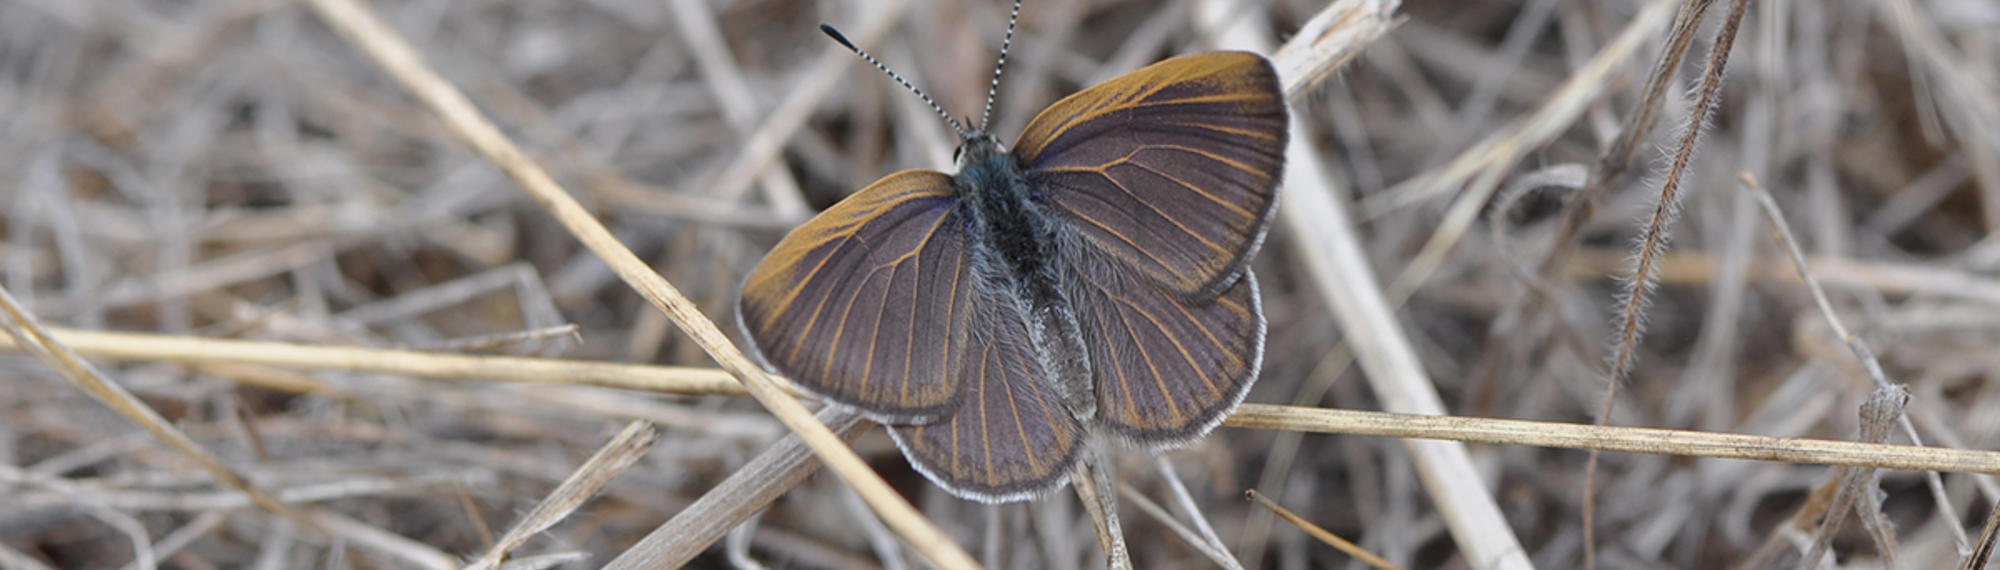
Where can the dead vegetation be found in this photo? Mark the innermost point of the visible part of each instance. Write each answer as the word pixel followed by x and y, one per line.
pixel 351 340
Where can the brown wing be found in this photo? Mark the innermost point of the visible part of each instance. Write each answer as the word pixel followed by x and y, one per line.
pixel 1172 169
pixel 1010 438
pixel 865 303
pixel 1167 368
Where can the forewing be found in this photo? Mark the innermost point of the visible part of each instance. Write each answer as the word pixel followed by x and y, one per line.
pixel 1171 169
pixel 865 303
pixel 1010 438
pixel 1168 368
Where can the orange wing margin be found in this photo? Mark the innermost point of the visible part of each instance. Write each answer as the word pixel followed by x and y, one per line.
pixel 866 303
pixel 1172 169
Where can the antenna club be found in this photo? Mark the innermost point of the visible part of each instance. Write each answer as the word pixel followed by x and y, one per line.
pixel 837 36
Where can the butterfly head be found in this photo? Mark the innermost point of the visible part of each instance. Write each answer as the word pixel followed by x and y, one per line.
pixel 975 147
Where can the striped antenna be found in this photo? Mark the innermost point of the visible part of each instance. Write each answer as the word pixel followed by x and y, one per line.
pixel 1006 41
pixel 955 125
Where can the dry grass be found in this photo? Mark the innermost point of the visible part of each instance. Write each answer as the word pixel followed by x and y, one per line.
pixel 349 342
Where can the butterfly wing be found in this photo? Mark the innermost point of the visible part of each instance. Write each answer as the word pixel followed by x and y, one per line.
pixel 1010 438
pixel 1171 169
pixel 866 303
pixel 1167 368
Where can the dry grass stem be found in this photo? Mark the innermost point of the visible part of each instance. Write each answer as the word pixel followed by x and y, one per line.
pixel 1329 538
pixel 1610 167
pixel 1208 549
pixel 288 236
pixel 1185 505
pixel 1862 353
pixel 491 341
pixel 1614 438
pixel 705 381
pixel 1093 488
pixel 1989 538
pixel 583 484
pixel 514 369
pixel 409 553
pixel 748 491
pixel 1636 296
pixel 1615 162
pixel 1857 486
pixel 1327 42
pixel 1783 231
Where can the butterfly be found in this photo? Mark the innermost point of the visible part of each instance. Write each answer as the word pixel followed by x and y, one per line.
pixel 1090 280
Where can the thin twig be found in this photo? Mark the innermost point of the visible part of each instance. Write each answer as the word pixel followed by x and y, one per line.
pixel 1611 168
pixel 1989 539
pixel 709 381
pixel 1652 245
pixel 1322 534
pixel 490 341
pixel 1616 438
pixel 1193 513
pixel 1616 161
pixel 1855 485
pixel 611 459
pixel 432 365
pixel 746 492
pixel 1211 550
pixel 1095 482
pixel 1855 344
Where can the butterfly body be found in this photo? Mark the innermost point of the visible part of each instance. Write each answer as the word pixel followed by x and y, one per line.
pixel 1000 207
pixel 1091 280
pixel 1019 258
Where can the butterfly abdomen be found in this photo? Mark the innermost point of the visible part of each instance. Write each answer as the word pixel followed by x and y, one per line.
pixel 1018 255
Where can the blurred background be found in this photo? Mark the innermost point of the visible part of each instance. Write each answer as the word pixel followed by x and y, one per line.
pixel 234 169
